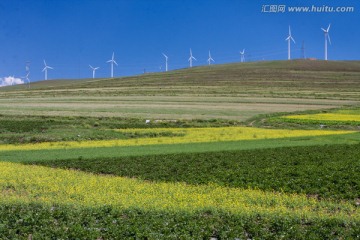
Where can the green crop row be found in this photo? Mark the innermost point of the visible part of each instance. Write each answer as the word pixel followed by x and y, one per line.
pixel 35 221
pixel 321 171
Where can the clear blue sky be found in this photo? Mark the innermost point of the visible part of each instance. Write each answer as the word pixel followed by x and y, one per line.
pixel 71 34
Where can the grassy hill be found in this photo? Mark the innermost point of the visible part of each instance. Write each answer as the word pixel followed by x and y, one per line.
pixel 78 160
pixel 236 91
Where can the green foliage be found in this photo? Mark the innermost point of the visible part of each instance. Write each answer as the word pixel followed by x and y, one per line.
pixel 319 171
pixel 20 126
pixel 72 222
pixel 278 120
pixel 146 150
pixel 35 129
pixel 315 123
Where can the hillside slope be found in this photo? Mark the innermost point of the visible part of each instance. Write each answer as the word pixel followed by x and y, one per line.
pixel 236 91
pixel 295 75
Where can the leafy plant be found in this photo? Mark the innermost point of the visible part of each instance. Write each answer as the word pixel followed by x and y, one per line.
pixel 320 171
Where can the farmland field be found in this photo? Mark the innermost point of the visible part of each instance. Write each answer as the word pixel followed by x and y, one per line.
pixel 261 150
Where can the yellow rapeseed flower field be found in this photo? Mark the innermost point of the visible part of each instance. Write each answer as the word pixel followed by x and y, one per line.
pixel 36 184
pixel 188 135
pixel 327 117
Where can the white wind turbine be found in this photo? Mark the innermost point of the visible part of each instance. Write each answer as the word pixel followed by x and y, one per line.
pixel 27 78
pixel 45 69
pixel 242 54
pixel 327 37
pixel 112 61
pixel 93 70
pixel 191 58
pixel 210 59
pixel 166 62
pixel 27 69
pixel 289 38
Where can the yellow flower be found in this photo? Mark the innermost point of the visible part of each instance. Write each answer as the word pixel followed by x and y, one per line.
pixel 184 135
pixel 340 117
pixel 35 184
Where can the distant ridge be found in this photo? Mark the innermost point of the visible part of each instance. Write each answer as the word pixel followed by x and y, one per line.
pixel 238 74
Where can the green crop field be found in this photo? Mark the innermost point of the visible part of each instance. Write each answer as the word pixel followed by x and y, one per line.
pixel 259 150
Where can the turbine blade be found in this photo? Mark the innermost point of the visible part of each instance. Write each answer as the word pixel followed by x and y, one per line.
pixel 293 40
pixel 194 58
pixel 44 69
pixel 50 67
pixel 323 29
pixel 44 63
pixel 329 38
pixel 91 66
pixel 328 27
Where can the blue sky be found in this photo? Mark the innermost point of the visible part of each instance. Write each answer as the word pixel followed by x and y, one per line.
pixel 70 35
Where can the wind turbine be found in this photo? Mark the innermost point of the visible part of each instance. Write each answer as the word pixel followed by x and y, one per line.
pixel 191 58
pixel 242 53
pixel 210 58
pixel 45 69
pixel 327 37
pixel 289 38
pixel 93 70
pixel 112 61
pixel 27 69
pixel 27 78
pixel 166 62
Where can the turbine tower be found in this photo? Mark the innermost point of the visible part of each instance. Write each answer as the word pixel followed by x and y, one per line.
pixel 93 70
pixel 242 54
pixel 112 61
pixel 210 59
pixel 327 37
pixel 27 69
pixel 166 62
pixel 289 38
pixel 191 58
pixel 27 78
pixel 45 69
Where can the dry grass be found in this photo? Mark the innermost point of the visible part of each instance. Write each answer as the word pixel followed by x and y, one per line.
pixel 233 91
pixel 155 107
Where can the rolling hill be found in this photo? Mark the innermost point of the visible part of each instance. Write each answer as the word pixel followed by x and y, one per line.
pixel 233 91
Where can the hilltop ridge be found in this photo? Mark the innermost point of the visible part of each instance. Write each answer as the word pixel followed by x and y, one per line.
pixel 244 74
